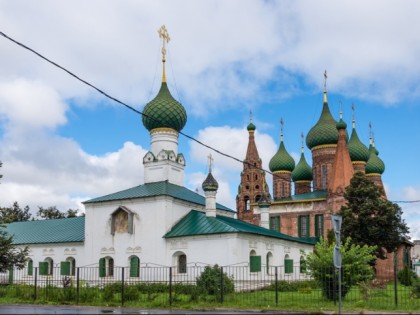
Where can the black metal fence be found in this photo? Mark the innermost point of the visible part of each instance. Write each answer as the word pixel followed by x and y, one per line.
pixel 231 286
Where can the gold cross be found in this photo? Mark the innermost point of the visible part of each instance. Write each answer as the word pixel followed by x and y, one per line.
pixel 163 33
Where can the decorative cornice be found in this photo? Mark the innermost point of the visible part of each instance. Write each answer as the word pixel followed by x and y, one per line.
pixel 373 174
pixel 358 162
pixel 302 181
pixel 282 172
pixel 298 201
pixel 324 146
pixel 163 130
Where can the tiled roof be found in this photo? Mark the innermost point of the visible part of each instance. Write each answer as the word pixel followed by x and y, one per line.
pixel 158 189
pixel 66 230
pixel 197 223
pixel 307 197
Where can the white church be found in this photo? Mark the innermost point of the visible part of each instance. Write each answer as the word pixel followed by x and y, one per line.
pixel 160 222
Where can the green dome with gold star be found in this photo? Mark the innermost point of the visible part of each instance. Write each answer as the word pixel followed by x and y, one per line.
pixel 164 111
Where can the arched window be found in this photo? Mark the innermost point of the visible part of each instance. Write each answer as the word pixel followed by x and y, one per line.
pixel 30 267
pixel 134 266
pixel 68 267
pixel 254 262
pixel 256 177
pixel 247 203
pixel 106 267
pixel 182 263
pixel 288 264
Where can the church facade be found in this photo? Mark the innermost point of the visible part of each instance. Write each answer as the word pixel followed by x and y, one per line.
pixel 158 223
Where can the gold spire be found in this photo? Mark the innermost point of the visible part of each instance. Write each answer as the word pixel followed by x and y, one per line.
pixel 325 87
pixel 163 33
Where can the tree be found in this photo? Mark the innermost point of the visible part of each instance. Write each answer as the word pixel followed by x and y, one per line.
pixel 369 218
pixel 50 213
pixel 355 266
pixel 54 213
pixel 209 281
pixel 14 214
pixel 10 255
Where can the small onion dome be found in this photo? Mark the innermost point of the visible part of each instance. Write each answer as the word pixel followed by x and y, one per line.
pixel 164 111
pixel 302 170
pixel 282 161
pixel 210 184
pixel 251 127
pixel 324 131
pixel 341 124
pixel 374 165
pixel 264 201
pixel 358 151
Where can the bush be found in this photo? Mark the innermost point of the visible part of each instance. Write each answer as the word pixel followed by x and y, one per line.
pixel 406 276
pixel 415 291
pixel 209 281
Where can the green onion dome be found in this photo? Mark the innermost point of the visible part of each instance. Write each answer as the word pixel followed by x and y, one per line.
pixel 164 111
pixel 358 151
pixel 341 124
pixel 251 127
pixel 302 170
pixel 210 184
pixel 282 161
pixel 324 131
pixel 374 165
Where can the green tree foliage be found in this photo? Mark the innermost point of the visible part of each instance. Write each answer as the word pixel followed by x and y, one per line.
pixel 54 213
pixel 369 218
pixel 14 214
pixel 355 266
pixel 209 281
pixel 406 276
pixel 10 255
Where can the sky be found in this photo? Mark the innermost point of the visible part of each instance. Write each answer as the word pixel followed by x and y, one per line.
pixel 62 142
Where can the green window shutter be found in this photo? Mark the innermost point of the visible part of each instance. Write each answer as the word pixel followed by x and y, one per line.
pixel 288 266
pixel 65 268
pixel 307 226
pixel 30 267
pixel 43 268
pixel 134 266
pixel 317 225
pixel 255 263
pixel 102 270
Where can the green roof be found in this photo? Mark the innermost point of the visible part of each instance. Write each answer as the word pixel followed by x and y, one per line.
pixel 358 151
pixel 66 230
pixel 197 223
pixel 158 189
pixel 282 160
pixel 307 197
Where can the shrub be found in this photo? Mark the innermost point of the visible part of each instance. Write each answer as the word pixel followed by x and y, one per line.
pixel 415 290
pixel 209 281
pixel 406 276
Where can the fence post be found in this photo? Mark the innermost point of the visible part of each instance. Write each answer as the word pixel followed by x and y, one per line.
pixel 221 285
pixel 77 285
pixel 35 282
pixel 395 278
pixel 170 286
pixel 276 283
pixel 122 286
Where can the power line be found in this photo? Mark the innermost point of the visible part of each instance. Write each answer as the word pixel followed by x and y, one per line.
pixel 145 115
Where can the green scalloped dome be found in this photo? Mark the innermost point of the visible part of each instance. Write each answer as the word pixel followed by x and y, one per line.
pixel 302 170
pixel 324 131
pixel 210 184
pixel 251 127
pixel 358 151
pixel 374 165
pixel 164 111
pixel 282 161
